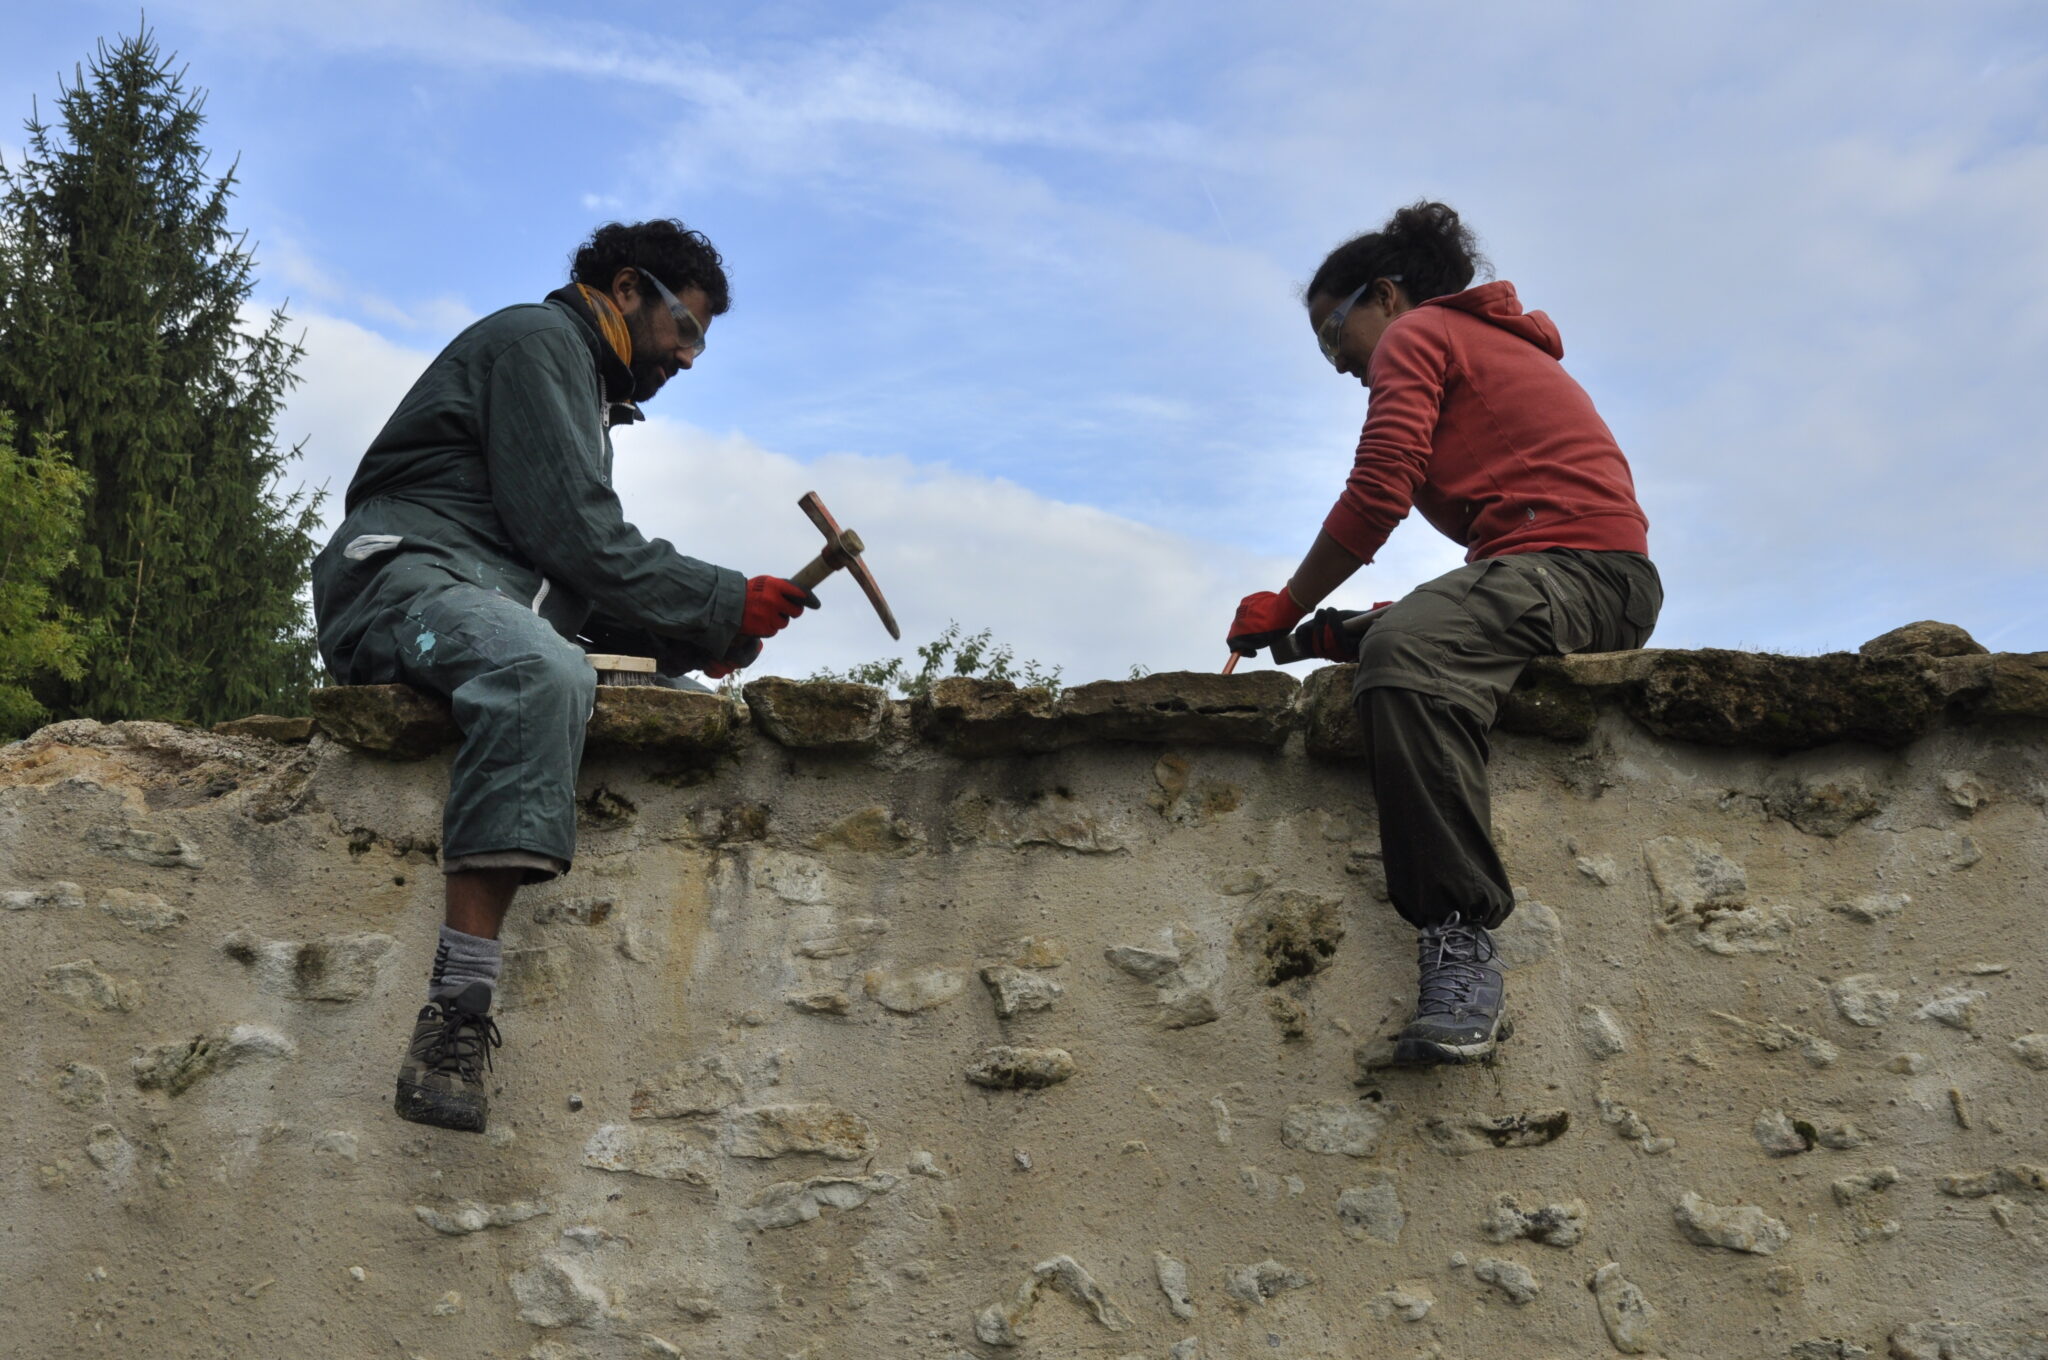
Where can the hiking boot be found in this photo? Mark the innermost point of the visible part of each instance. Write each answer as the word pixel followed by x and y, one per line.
pixel 442 1080
pixel 1458 1010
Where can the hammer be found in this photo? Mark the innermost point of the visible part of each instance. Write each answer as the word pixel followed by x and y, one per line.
pixel 843 548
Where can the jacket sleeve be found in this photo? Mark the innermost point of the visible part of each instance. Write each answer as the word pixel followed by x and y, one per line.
pixel 1409 367
pixel 543 441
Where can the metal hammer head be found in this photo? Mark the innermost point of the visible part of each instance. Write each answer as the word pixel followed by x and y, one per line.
pixel 843 549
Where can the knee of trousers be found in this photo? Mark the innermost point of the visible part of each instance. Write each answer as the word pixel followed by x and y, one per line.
pixel 544 685
pixel 1394 656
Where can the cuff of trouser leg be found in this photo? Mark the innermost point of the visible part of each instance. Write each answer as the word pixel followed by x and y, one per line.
pixel 539 868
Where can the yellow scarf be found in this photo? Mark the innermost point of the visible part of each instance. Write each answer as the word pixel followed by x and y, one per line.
pixel 611 323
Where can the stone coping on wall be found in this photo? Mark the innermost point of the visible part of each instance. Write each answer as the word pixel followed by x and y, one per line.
pixel 1891 691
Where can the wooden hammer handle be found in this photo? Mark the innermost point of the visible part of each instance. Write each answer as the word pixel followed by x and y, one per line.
pixel 835 556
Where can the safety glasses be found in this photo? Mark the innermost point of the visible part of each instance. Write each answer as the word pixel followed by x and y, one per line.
pixel 687 326
pixel 1330 334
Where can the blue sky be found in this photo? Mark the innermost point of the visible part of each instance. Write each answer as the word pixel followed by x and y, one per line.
pixel 1016 287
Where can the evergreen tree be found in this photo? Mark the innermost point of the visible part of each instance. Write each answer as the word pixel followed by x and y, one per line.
pixel 41 505
pixel 121 298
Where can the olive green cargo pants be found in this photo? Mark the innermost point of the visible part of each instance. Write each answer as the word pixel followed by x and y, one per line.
pixel 1432 672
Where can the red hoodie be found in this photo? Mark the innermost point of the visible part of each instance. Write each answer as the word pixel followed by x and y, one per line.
pixel 1475 423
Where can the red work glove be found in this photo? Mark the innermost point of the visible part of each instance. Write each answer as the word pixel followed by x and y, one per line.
pixel 771 603
pixel 1262 619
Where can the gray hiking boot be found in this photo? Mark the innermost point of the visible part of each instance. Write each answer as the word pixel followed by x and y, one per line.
pixel 1458 1011
pixel 442 1080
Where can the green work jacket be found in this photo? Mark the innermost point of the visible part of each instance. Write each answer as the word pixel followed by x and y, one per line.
pixel 496 470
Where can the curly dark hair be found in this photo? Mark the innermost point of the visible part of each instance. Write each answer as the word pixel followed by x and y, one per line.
pixel 664 247
pixel 1425 243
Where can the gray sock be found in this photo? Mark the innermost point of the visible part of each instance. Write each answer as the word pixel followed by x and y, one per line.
pixel 461 960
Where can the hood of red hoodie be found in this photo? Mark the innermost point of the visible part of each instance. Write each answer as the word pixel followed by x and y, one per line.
pixel 1496 303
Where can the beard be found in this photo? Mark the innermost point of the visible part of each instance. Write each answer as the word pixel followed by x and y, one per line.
pixel 647 379
pixel 648 375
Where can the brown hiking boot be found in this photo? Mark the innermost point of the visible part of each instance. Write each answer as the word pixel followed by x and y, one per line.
pixel 442 1080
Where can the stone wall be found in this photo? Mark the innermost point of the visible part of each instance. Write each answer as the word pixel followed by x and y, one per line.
pixel 1006 1026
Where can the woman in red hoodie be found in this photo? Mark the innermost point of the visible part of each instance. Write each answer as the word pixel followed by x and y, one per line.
pixel 1474 422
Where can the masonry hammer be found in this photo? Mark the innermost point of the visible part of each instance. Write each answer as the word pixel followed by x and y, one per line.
pixel 843 548
pixel 1295 646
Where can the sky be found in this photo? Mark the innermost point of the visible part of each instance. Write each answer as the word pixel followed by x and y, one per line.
pixel 1017 286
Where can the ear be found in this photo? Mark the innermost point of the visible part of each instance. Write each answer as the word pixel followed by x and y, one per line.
pixel 625 289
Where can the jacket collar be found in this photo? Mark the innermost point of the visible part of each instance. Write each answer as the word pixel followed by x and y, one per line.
pixel 613 372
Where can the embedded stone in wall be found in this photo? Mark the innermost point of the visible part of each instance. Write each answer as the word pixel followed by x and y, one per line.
pixel 53 897
pixel 80 1085
pixel 921 990
pixel 1553 1225
pixel 780 1130
pixel 1782 1136
pixel 1019 990
pixel 1513 1279
pixel 1955 1007
pixel 1752 930
pixel 695 1086
pixel 1251 1285
pixel 1408 1302
pixel 1372 1212
pixel 1624 1310
pixel 1627 1124
pixel 1002 1067
pixel 1600 1033
pixel 157 849
pixel 1290 934
pixel 2031 1050
pixel 328 968
pixel 468 1216
pixel 1825 808
pixel 1173 1282
pixel 853 935
pixel 1743 1228
pixel 1463 1134
pixel 583 911
pixel 1775 1036
pixel 1864 1001
pixel 84 985
pixel 871 831
pixel 1186 972
pixel 655 1153
pixel 141 910
pixel 827 716
pixel 1532 934
pixel 1693 878
pixel 788 1203
pixel 556 1291
pixel 1874 907
pixel 173 1068
pixel 1003 1324
pixel 1333 1128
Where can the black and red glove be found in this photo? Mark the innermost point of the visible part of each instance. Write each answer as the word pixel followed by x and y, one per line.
pixel 744 652
pixel 1262 619
pixel 771 603
pixel 1334 634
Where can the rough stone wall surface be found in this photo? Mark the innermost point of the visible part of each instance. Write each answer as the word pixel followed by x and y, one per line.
pixel 1007 1027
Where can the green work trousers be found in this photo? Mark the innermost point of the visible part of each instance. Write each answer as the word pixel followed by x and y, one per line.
pixel 1432 672
pixel 522 695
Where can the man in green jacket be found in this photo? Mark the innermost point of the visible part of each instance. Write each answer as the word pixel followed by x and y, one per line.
pixel 484 548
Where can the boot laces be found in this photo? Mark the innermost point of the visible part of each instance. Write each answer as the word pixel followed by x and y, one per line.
pixel 464 1042
pixel 1453 959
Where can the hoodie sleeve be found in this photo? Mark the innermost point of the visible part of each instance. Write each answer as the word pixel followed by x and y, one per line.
pixel 1408 370
pixel 544 449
